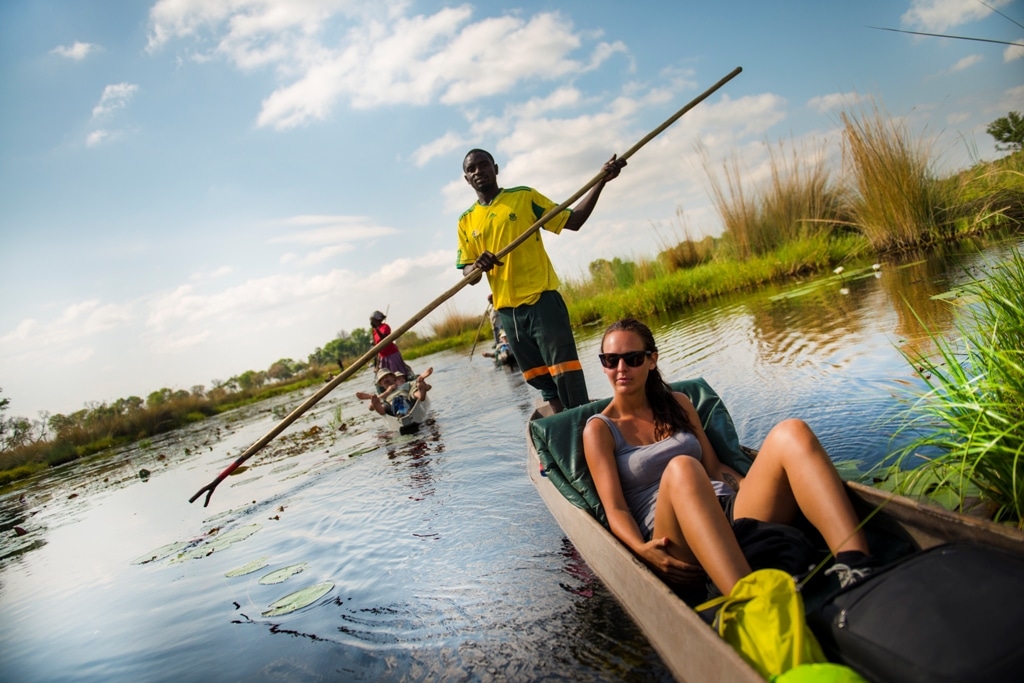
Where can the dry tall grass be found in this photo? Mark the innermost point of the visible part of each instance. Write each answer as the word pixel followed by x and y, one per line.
pixel 799 200
pixel 897 201
pixel 452 322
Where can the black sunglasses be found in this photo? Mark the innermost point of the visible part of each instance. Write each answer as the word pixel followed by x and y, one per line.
pixel 634 359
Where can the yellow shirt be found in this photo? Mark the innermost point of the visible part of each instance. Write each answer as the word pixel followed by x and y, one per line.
pixel 527 272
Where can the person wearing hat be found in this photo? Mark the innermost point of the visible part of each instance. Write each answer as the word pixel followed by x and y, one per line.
pixel 389 357
pixel 398 396
pixel 524 285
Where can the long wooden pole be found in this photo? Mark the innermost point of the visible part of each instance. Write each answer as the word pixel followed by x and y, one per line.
pixel 477 337
pixel 452 291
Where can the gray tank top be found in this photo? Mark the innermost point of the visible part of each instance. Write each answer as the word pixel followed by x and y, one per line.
pixel 640 469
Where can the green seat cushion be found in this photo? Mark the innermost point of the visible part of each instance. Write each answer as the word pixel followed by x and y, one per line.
pixel 558 440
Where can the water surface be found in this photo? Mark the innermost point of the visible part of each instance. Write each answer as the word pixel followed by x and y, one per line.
pixel 445 564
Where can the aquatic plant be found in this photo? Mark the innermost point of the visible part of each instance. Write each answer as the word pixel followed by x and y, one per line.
pixel 797 201
pixel 452 322
pixel 896 201
pixel 966 423
pixel 298 599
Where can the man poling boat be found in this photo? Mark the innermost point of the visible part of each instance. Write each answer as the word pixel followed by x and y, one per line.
pixel 470 275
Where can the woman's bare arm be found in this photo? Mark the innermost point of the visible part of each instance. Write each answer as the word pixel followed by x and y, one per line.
pixel 599 448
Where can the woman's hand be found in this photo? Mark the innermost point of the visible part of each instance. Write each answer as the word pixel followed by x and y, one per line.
pixel 655 554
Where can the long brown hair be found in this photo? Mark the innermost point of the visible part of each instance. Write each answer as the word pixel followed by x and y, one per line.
pixel 669 417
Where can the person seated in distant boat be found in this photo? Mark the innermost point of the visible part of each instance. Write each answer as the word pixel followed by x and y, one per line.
pixel 398 396
pixel 671 501
pixel 502 349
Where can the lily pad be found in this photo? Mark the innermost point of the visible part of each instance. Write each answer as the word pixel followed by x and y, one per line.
pixel 248 568
pixel 283 574
pixel 161 552
pixel 298 599
pixel 957 296
pixel 219 543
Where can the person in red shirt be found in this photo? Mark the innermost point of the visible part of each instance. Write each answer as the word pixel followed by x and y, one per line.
pixel 389 357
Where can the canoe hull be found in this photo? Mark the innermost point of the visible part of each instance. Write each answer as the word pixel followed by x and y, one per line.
pixel 411 421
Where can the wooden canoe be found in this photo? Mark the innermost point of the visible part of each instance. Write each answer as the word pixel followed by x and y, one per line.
pixel 692 651
pixel 411 421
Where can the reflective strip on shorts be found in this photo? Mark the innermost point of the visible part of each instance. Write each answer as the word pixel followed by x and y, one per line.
pixel 535 372
pixel 567 366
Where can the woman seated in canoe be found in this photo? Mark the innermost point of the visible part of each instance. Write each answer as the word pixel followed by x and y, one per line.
pixel 398 396
pixel 671 501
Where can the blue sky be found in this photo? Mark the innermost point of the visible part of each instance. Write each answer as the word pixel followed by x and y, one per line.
pixel 193 188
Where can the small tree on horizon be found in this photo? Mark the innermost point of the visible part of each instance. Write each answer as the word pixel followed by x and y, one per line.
pixel 1008 130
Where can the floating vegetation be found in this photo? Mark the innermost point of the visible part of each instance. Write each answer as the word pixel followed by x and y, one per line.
pixel 231 513
pixel 249 568
pixel 245 482
pixel 221 542
pixel 841 277
pixel 285 467
pixel 958 296
pixel 283 574
pixel 298 599
pixel 161 552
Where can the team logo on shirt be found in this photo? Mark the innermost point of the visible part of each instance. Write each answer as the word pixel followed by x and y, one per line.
pixel 511 216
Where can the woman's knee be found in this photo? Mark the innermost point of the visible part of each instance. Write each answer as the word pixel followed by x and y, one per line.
pixel 684 472
pixel 792 435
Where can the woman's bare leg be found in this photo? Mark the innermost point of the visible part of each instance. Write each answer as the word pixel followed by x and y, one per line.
pixel 689 514
pixel 791 473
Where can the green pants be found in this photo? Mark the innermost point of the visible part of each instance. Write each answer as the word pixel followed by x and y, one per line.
pixel 541 339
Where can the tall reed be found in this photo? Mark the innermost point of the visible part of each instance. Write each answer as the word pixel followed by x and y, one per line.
pixel 797 201
pixel 897 202
pixel 453 323
pixel 737 210
pixel 969 419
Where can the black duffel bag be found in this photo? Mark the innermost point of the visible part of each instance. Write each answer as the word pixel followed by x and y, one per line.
pixel 950 614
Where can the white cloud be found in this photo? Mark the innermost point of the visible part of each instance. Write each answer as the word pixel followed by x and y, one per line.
pixel 966 63
pixel 98 137
pixel 1012 100
pixel 1013 52
pixel 445 144
pixel 114 97
pixel 376 54
pixel 76 51
pixel 188 314
pixel 833 101
pixel 220 272
pixel 75 323
pixel 319 255
pixel 330 235
pixel 942 15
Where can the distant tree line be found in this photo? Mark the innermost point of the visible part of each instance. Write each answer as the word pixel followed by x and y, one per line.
pixel 27 445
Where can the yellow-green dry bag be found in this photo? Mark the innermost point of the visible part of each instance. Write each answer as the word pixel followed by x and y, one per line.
pixel 763 619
